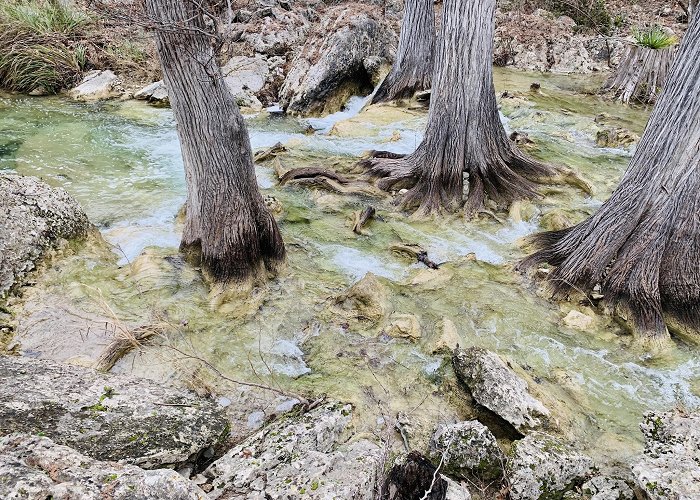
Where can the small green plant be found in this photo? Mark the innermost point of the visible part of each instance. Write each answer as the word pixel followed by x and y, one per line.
pixel 654 37
pixel 587 13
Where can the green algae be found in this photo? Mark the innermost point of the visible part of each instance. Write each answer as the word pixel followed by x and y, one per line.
pixel 286 334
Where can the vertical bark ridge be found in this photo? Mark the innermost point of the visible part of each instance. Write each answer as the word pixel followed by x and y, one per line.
pixel 413 69
pixel 464 132
pixel 643 244
pixel 228 229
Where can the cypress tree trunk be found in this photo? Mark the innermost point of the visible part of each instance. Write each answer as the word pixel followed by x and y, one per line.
pixel 464 132
pixel 228 230
pixel 643 245
pixel 641 74
pixel 413 68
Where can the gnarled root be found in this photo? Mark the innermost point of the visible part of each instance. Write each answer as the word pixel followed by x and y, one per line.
pixel 332 181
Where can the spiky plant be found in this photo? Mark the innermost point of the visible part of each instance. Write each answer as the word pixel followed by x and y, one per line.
pixel 654 37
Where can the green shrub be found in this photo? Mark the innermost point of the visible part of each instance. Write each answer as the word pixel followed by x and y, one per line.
pixel 40 45
pixel 654 37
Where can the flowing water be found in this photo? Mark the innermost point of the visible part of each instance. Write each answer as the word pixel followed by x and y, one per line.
pixel 121 160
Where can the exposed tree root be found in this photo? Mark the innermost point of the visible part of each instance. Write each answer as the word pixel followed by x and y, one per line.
pixel 362 218
pixel 332 181
pixel 268 153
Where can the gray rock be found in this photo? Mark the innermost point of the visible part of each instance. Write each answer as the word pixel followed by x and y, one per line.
pixel 670 466
pixel 245 76
pixel 36 468
pixel 34 218
pixel 607 488
pixel 542 467
pixel 297 457
pixel 495 386
pixel 155 93
pixel 472 451
pixel 107 417
pixel 326 72
pixel 97 85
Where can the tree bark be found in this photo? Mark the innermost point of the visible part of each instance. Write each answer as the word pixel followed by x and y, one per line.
pixel 640 74
pixel 464 132
pixel 643 245
pixel 228 230
pixel 413 69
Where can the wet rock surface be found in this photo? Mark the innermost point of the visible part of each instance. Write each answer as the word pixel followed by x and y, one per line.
pixel 670 466
pixel 337 60
pixel 469 449
pixel 495 386
pixel 542 466
pixel 107 417
pixel 34 468
pixel 297 457
pixel 155 93
pixel 365 301
pixel 34 218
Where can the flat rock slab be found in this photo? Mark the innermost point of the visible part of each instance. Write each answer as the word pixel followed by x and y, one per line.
pixel 34 217
pixel 670 466
pixel 97 85
pixel 496 387
pixel 107 417
pixel 297 457
pixel 36 468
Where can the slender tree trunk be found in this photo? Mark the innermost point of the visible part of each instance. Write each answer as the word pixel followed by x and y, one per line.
pixel 464 132
pixel 228 229
pixel 413 68
pixel 640 74
pixel 643 245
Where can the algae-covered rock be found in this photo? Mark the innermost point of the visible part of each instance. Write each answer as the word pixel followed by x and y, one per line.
pixel 445 339
pixel 543 467
pixel 298 457
pixel 34 468
pixel 670 466
pixel 333 63
pixel 404 326
pixel 366 300
pixel 469 449
pixel 495 386
pixel 107 417
pixel 34 218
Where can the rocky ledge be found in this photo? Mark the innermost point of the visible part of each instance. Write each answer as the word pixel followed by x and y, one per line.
pixel 108 417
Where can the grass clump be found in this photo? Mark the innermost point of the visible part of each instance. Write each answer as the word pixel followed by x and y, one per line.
pixel 654 37
pixel 588 13
pixel 41 48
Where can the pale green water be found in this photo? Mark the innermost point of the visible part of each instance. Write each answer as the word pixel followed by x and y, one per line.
pixel 122 162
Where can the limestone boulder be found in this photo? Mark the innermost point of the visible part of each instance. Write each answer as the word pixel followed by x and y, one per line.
pixel 497 387
pixel 97 85
pixel 36 468
pixel 34 219
pixel 469 449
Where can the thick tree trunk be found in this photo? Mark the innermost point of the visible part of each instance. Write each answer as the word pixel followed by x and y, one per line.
pixel 643 245
pixel 640 74
pixel 464 132
pixel 413 68
pixel 228 229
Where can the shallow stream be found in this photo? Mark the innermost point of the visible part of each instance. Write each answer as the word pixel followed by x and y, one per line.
pixel 121 160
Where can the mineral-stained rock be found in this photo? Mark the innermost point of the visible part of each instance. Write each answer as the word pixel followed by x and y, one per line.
pixel 670 466
pixel 404 326
pixel 332 63
pixel 97 85
pixel 445 339
pixel 495 386
pixel 542 467
pixel 366 300
pixel 34 218
pixel 469 449
pixel 36 468
pixel 107 417
pixel 297 457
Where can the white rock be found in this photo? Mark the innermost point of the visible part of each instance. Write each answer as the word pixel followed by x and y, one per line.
pixel 97 85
